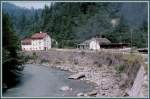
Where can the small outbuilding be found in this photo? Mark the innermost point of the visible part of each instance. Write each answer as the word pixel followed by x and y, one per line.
pixel 94 43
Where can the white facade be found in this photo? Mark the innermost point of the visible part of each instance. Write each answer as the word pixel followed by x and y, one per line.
pixel 47 42
pixel 26 47
pixel 43 43
pixel 37 44
pixel 94 45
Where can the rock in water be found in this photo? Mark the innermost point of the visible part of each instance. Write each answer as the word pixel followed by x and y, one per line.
pixel 77 76
pixel 80 94
pixel 92 93
pixel 65 88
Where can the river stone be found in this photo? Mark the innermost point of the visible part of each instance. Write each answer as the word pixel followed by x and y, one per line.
pixel 105 74
pixel 80 94
pixel 92 93
pixel 124 76
pixel 104 94
pixel 65 88
pixel 104 88
pixel 145 77
pixel 85 95
pixel 126 93
pixel 77 76
pixel 124 79
pixel 105 81
pixel 122 83
pixel 45 64
pixel 145 83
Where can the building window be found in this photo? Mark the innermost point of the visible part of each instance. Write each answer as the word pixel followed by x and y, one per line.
pixel 39 42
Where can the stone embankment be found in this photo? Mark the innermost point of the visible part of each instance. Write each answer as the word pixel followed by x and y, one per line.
pixel 113 73
pixel 139 87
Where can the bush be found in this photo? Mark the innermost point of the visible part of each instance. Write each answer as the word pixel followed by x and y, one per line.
pixel 119 68
pixel 57 62
pixel 26 58
pixel 97 63
pixel 34 56
pixel 82 53
pixel 75 61
pixel 132 59
pixel 44 61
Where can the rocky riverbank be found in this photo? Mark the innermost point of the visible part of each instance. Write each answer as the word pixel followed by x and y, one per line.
pixel 105 78
pixel 113 73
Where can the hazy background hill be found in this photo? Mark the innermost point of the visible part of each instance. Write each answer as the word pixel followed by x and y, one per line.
pixel 72 23
pixel 23 19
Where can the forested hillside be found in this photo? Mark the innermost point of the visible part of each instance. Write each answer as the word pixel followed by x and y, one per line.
pixel 72 23
pixel 23 20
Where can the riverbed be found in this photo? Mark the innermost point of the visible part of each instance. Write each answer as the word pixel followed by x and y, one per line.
pixel 41 81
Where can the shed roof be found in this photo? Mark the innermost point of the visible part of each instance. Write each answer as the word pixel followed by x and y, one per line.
pixel 102 40
pixel 99 40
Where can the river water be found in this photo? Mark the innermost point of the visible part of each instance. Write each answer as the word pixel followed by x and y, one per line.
pixel 40 81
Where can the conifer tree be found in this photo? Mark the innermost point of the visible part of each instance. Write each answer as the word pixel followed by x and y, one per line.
pixel 12 60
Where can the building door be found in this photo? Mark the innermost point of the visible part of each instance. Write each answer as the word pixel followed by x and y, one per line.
pixel 45 48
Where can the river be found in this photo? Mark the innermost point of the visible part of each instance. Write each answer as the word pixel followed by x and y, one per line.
pixel 41 81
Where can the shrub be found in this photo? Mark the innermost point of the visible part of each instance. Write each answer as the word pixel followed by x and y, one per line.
pixel 34 56
pixel 98 63
pixel 119 68
pixel 75 61
pixel 44 61
pixel 82 53
pixel 26 58
pixel 132 62
pixel 57 62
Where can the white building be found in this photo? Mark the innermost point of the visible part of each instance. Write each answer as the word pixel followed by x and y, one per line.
pixel 38 41
pixel 94 43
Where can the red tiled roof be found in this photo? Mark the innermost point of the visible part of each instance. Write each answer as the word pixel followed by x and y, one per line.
pixel 38 35
pixel 26 41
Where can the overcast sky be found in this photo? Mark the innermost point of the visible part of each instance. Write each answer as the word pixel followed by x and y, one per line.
pixel 30 4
